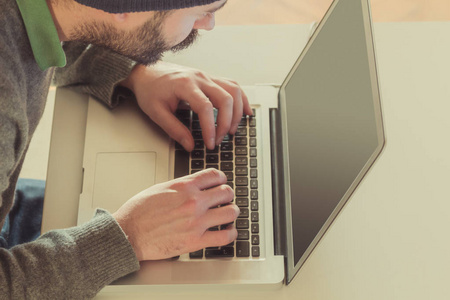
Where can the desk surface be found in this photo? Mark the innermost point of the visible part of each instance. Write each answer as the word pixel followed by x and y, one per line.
pixel 391 239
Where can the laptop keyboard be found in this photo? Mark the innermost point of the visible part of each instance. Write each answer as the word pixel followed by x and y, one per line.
pixel 236 156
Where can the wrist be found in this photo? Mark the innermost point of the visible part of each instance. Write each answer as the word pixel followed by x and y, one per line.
pixel 135 74
pixel 128 231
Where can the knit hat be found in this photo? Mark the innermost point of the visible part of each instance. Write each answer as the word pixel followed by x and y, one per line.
pixel 125 6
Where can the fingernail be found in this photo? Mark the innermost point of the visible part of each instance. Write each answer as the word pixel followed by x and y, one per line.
pixel 238 210
pixel 183 143
pixel 212 143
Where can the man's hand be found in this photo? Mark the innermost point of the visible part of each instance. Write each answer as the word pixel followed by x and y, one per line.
pixel 161 87
pixel 173 218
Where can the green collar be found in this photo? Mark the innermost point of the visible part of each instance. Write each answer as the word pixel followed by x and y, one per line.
pixel 42 33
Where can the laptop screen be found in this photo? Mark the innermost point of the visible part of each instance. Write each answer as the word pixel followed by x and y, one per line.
pixel 331 120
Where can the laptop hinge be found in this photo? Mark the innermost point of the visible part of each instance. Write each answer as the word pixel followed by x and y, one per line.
pixel 278 198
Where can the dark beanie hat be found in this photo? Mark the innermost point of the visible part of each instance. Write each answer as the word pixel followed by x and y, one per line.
pixel 125 6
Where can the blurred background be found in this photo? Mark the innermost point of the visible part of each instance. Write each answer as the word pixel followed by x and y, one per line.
pixel 238 12
pixel 258 12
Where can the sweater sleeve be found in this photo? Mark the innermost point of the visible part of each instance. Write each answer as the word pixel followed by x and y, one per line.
pixel 95 71
pixel 74 263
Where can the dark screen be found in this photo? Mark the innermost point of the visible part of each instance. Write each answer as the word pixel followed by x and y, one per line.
pixel 331 124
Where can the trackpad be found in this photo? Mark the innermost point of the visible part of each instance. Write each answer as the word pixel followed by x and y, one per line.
pixel 119 176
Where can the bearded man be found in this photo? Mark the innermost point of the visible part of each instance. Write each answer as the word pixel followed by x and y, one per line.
pixel 109 49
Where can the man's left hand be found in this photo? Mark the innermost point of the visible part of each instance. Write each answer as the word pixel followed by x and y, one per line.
pixel 160 88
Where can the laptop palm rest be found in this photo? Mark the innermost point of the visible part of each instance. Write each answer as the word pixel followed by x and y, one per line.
pixel 113 171
pixel 124 154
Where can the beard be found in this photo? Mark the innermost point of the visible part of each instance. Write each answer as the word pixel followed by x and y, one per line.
pixel 144 45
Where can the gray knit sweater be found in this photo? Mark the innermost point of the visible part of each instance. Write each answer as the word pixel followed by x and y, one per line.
pixel 73 263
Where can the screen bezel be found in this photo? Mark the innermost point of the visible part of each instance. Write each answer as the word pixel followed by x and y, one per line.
pixel 291 267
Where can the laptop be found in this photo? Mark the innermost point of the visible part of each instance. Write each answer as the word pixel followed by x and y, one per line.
pixel 293 165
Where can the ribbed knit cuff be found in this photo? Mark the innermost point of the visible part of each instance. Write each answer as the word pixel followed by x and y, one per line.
pixel 111 71
pixel 124 6
pixel 106 252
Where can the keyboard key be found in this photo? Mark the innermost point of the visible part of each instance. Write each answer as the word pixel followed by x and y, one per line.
pixel 212 158
pixel 227 137
pixel 228 146
pixel 197 135
pixel 197 153
pixel 240 141
pixel 254 205
pixel 241 151
pixel 199 144
pixel 253 162
pixel 252 132
pixel 242 202
pixel 241 191
pixel 226 156
pixel 252 142
pixel 212 167
pixel 254 183
pixel 242 224
pixel 254 194
pixel 241 161
pixel 241 181
pixel 222 252
pixel 241 171
pixel 252 122
pixel 244 213
pixel 181 163
pixel 212 248
pixel 253 152
pixel 243 121
pixel 242 249
pixel 197 164
pixel 253 173
pixel 255 239
pixel 255 228
pixel 255 216
pixel 226 166
pixel 243 235
pixel 241 131
pixel 255 251
pixel 196 254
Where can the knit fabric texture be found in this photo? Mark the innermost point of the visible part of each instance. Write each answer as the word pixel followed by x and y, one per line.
pixel 126 6
pixel 72 263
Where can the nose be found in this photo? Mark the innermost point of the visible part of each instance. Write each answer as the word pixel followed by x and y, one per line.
pixel 206 23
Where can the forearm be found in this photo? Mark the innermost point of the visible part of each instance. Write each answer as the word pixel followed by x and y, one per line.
pixel 94 70
pixel 68 264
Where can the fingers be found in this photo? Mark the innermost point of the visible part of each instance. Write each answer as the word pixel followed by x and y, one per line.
pixel 225 104
pixel 221 215
pixel 174 128
pixel 201 104
pixel 226 96
pixel 209 178
pixel 220 195
pixel 240 104
pixel 218 238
